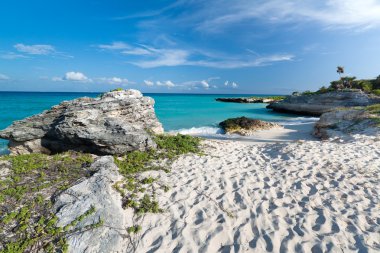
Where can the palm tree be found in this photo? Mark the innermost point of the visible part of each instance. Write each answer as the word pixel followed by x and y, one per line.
pixel 340 71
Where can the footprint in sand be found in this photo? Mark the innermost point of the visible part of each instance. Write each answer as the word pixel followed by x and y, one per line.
pixel 320 220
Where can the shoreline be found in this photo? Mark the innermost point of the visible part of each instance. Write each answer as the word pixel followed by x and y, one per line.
pixel 278 190
pixel 289 133
pixel 303 196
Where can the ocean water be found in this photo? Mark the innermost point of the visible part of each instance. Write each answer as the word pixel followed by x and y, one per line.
pixel 185 113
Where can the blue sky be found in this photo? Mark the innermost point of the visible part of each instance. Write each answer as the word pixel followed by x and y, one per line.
pixel 195 46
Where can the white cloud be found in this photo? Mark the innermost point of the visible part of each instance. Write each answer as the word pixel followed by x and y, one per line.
pixel 4 77
pixel 205 84
pixel 136 51
pixel 180 57
pixel 113 80
pixel 57 79
pixel 146 56
pixel 35 49
pixel 231 84
pixel 12 56
pixel 168 84
pixel 148 83
pixel 115 46
pixel 187 85
pixel 76 77
pixel 80 77
pixel 164 57
pixel 345 14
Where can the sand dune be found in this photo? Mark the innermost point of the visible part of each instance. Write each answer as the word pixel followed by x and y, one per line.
pixel 294 197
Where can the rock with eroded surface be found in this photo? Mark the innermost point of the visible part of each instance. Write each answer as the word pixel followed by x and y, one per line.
pixel 344 123
pixel 317 104
pixel 246 126
pixel 115 123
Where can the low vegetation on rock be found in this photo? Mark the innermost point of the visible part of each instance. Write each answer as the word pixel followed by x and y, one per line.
pixel 347 83
pixel 27 191
pixel 30 183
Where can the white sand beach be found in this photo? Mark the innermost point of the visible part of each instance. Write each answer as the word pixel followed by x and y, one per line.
pixel 296 196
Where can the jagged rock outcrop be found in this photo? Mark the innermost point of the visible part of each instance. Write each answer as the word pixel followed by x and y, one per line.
pixel 344 123
pixel 248 100
pixel 98 192
pixel 246 126
pixel 115 123
pixel 316 105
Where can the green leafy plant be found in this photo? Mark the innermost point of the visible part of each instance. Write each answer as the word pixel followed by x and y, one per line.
pixel 25 208
pixel 131 164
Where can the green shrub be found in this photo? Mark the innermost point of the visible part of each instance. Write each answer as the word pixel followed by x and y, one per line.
pixel 363 85
pixel 117 89
pixel 309 93
pixel 168 148
pixel 373 108
pixel 376 92
pixel 25 207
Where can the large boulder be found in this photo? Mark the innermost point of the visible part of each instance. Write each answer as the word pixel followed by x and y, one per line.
pixel 115 123
pixel 344 123
pixel 246 126
pixel 317 104
pixel 95 192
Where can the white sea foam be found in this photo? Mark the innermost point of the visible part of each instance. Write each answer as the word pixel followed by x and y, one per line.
pixel 200 131
pixel 298 121
pixel 213 131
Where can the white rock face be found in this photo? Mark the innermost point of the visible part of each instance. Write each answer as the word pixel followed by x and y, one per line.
pixel 345 123
pixel 4 169
pixel 96 191
pixel 115 123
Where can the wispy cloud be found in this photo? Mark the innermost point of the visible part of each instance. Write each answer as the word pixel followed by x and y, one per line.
pixel 4 77
pixel 348 14
pixel 24 51
pixel 35 49
pixel 332 14
pixel 11 56
pixel 113 80
pixel 118 45
pixel 150 57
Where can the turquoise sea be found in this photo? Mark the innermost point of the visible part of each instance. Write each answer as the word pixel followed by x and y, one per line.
pixel 185 113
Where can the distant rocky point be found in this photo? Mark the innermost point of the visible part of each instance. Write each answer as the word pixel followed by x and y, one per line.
pixel 115 123
pixel 317 104
pixel 246 126
pixel 248 100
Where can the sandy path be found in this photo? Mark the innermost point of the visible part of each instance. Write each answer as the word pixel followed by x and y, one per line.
pixel 298 197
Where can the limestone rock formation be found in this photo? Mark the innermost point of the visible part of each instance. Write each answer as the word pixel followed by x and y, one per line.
pixel 343 123
pixel 316 105
pixel 98 192
pixel 246 126
pixel 115 123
